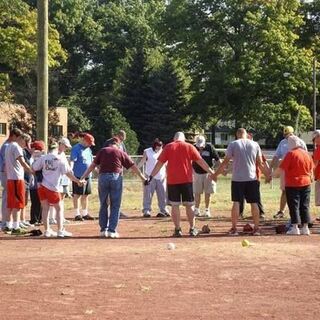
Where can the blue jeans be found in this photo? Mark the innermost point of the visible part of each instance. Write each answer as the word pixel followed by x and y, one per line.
pixel 110 193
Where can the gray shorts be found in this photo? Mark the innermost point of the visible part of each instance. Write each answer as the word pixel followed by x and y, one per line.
pixel 202 183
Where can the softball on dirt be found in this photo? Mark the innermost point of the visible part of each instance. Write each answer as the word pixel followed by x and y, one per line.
pixel 171 246
pixel 245 243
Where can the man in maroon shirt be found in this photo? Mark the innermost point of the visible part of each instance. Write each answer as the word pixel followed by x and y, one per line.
pixel 111 160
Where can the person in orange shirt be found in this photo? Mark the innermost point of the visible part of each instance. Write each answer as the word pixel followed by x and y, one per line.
pixel 316 160
pixel 298 168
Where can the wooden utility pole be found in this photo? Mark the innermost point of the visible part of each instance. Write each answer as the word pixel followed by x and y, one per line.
pixel 42 73
pixel 314 94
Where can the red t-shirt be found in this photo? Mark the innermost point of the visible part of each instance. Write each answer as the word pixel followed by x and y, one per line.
pixel 111 160
pixel 316 157
pixel 298 166
pixel 179 156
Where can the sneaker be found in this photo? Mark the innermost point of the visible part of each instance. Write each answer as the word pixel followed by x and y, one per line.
pixel 233 232
pixel 78 218
pixel 193 232
pixel 113 235
pixel 262 216
pixel 123 216
pixel 64 234
pixel 22 225
pixel 293 231
pixel 87 217
pixel 197 212
pixel 49 233
pixel 18 232
pixel 279 215
pixel 27 224
pixel 161 215
pixel 167 214
pixel 147 214
pixel 305 231
pixel 7 230
pixel 52 221
pixel 207 213
pixel 177 233
pixel 104 234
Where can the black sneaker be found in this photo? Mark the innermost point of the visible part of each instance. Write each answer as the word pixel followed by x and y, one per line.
pixel 7 230
pixel 78 218
pixel 193 232
pixel 177 233
pixel 167 214
pixel 161 215
pixel 87 217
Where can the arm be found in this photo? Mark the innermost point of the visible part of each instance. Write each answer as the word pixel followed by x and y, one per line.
pixel 156 168
pixel 143 160
pixel 204 166
pixel 88 171
pixel 274 162
pixel 135 170
pixel 222 167
pixel 71 176
pixel 25 166
pixel 264 166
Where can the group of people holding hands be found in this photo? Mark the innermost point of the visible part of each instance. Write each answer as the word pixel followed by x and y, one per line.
pixel 178 172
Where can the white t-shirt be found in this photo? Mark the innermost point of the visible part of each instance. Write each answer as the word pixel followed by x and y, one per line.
pixel 152 158
pixel 65 181
pixel 13 168
pixel 53 168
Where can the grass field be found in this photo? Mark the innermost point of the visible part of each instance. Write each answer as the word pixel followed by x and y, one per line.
pixel 220 203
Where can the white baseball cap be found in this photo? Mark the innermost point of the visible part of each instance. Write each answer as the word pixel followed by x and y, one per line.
pixel 66 142
pixel 200 141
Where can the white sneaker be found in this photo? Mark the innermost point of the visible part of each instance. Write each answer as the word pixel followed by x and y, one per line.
pixel 64 234
pixel 293 231
pixel 113 235
pixel 305 230
pixel 49 233
pixel 207 213
pixel 197 212
pixel 27 224
pixel 147 214
pixel 104 234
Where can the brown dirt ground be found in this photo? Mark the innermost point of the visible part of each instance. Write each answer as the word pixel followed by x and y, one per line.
pixel 137 277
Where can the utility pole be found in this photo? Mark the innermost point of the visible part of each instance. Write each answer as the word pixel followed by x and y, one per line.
pixel 42 71
pixel 314 93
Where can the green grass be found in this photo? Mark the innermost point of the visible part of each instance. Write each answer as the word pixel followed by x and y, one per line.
pixel 220 203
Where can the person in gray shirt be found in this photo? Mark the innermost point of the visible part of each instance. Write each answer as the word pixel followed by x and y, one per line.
pixel 246 155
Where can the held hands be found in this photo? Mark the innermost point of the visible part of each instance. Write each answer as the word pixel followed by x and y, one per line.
pixel 82 182
pixel 147 181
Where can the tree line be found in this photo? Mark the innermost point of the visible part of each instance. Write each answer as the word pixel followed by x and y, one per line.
pixel 153 67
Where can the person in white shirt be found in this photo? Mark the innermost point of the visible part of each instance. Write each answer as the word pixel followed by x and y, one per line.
pixel 14 169
pixel 53 167
pixel 157 184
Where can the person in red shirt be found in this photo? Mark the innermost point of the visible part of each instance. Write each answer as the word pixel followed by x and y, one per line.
pixel 316 160
pixel 179 156
pixel 298 166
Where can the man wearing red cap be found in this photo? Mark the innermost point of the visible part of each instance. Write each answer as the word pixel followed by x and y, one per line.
pixel 81 158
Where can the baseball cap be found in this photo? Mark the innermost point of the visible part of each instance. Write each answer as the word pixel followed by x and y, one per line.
pixel 89 138
pixel 200 141
pixel 65 141
pixel 288 130
pixel 38 145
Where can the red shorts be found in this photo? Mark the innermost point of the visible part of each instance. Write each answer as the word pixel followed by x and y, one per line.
pixel 51 196
pixel 16 194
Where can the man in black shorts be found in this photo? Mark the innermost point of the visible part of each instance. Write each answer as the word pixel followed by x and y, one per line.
pixel 246 154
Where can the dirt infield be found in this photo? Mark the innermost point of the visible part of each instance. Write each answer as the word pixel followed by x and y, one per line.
pixel 137 277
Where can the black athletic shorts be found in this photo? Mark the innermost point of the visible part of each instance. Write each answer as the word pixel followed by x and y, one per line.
pixel 248 190
pixel 85 190
pixel 180 193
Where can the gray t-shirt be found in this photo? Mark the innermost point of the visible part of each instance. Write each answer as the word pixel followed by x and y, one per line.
pixel 244 153
pixel 13 168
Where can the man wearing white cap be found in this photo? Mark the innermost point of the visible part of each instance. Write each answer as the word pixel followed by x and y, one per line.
pixel 202 182
pixel 280 153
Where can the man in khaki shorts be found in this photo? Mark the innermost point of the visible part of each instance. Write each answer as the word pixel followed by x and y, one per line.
pixel 202 182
